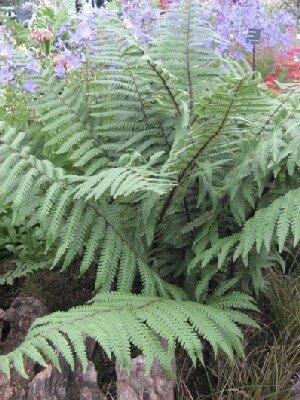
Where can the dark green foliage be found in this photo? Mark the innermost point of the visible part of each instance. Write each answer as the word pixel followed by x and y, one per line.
pixel 174 187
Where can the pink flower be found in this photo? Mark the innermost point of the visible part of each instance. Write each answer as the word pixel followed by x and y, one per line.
pixel 41 36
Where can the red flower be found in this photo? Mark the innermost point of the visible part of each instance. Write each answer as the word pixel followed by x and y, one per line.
pixel 270 78
pixel 164 4
pixel 293 63
pixel 270 82
pixel 294 73
pixel 289 61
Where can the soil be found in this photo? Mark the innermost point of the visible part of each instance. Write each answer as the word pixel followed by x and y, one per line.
pixel 57 291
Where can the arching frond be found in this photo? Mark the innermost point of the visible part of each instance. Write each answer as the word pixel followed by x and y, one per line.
pixel 68 222
pixel 117 321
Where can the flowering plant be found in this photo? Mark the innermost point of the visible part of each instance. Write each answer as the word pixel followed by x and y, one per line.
pixel 65 40
pixel 233 20
pixel 292 63
pixel 286 68
pixel 16 64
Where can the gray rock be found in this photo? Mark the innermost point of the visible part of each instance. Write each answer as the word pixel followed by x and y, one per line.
pixel 5 388
pixel 139 386
pixel 296 386
pixel 49 384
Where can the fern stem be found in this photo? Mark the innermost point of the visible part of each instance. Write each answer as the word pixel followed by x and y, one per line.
pixel 188 66
pixel 192 162
pixel 93 314
pixel 165 137
pixel 155 69
pixel 167 87
pixel 196 116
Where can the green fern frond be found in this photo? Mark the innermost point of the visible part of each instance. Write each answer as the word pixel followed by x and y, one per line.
pixel 122 182
pixel 63 113
pixel 117 321
pixel 69 229
pixel 22 269
pixel 186 54
pixel 131 113
pixel 280 216
pixel 269 225
pixel 216 119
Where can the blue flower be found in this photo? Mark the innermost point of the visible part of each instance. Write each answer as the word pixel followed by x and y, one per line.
pixel 60 71
pixel 6 75
pixel 29 86
pixel 32 66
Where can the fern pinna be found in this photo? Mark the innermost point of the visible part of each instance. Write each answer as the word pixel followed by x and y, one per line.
pixel 176 175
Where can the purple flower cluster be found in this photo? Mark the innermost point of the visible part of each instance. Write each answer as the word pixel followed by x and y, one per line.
pixel 66 61
pixel 29 86
pixel 232 21
pixel 16 65
pixel 6 55
pixel 74 43
pixel 141 17
pixel 6 63
pixel 78 39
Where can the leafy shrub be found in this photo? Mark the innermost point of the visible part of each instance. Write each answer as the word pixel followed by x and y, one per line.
pixel 171 170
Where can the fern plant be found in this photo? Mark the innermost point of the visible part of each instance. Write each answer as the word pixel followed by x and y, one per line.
pixel 177 180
